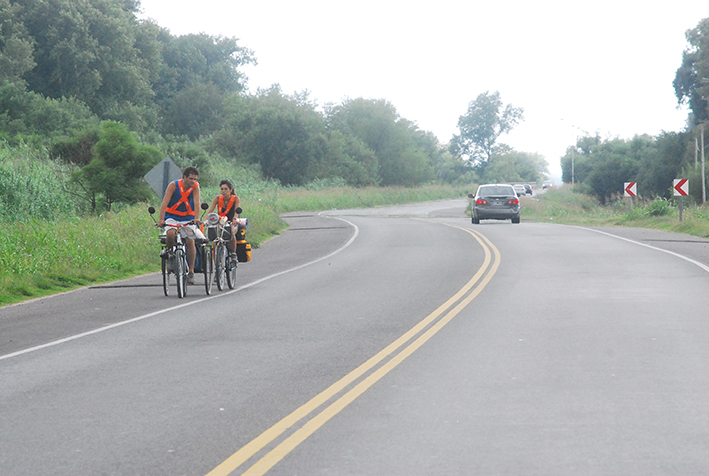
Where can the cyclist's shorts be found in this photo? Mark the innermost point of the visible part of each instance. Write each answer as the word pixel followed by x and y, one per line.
pixel 189 231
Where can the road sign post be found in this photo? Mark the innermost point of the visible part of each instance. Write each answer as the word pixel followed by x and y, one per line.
pixel 680 188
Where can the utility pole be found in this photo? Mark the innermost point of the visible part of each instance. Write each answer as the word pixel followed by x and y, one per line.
pixel 572 164
pixel 704 177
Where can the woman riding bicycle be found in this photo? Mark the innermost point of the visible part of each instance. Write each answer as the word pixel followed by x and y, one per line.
pixel 226 203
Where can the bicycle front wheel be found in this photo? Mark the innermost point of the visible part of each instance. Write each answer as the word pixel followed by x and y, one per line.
pixel 230 273
pixel 180 273
pixel 208 265
pixel 219 268
pixel 165 277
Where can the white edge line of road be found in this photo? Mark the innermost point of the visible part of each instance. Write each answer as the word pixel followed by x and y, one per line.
pixel 180 306
pixel 689 260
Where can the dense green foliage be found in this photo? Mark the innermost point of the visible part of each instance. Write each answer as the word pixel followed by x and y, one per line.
pixel 71 69
pixel 690 83
pixel 482 125
pixel 601 167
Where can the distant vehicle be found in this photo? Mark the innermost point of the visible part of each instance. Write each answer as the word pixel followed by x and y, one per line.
pixel 495 202
pixel 547 184
pixel 519 189
pixel 528 189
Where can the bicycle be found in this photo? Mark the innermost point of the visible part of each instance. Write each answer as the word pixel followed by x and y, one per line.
pixel 219 233
pixel 174 260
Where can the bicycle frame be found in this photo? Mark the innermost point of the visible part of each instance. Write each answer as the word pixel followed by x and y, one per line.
pixel 224 270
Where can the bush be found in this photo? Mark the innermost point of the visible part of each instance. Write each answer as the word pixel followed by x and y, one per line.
pixel 32 185
pixel 658 207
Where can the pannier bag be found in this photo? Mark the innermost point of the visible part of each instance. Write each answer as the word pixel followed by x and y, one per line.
pixel 243 247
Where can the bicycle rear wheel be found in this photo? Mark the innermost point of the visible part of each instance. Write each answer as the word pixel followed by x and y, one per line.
pixel 219 262
pixel 165 276
pixel 208 268
pixel 180 273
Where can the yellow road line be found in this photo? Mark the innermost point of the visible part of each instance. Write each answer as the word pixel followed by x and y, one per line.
pixel 268 436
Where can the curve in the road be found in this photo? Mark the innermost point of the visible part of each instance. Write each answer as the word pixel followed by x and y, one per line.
pixel 425 329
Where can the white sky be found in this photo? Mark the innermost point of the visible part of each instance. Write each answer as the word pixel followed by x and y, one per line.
pixel 602 66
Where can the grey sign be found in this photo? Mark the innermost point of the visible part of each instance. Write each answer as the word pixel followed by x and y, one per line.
pixel 162 174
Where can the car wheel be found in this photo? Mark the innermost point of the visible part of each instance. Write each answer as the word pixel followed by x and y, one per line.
pixel 515 220
pixel 476 221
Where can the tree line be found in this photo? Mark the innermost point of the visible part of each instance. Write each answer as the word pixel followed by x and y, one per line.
pixel 109 94
pixel 601 166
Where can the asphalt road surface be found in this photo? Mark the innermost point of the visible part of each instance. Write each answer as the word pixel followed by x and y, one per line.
pixel 391 341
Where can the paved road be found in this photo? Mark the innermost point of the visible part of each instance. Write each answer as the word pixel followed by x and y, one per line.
pixel 421 344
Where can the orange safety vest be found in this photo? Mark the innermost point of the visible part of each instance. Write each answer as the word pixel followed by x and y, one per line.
pixel 222 209
pixel 184 199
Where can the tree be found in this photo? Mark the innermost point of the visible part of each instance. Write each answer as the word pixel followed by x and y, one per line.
pixel 351 159
pixel 28 113
pixel 690 82
pixel 118 165
pixel 578 154
pixel 661 162
pixel 195 111
pixel 283 134
pixel 16 46
pixel 481 126
pixel 402 150
pixel 509 165
pixel 87 50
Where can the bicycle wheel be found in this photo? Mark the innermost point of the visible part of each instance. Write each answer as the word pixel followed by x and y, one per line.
pixel 230 273
pixel 219 261
pixel 208 268
pixel 180 273
pixel 165 277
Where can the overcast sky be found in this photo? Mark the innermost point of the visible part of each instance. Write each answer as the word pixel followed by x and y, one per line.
pixel 602 66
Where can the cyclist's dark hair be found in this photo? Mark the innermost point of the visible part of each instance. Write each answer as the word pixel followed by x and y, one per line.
pixel 228 184
pixel 190 171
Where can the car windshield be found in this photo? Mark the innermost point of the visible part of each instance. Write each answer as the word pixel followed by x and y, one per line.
pixel 495 190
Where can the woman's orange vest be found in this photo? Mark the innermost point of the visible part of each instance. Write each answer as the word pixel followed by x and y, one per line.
pixel 222 209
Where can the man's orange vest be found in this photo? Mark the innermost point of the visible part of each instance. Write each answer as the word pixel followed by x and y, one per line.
pixel 181 206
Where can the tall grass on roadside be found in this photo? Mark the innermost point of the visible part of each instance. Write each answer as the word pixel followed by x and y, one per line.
pixel 40 257
pixel 303 199
pixel 32 185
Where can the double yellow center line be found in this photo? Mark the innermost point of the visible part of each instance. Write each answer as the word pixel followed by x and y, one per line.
pixel 463 297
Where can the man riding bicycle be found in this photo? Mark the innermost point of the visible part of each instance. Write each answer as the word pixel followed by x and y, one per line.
pixel 178 208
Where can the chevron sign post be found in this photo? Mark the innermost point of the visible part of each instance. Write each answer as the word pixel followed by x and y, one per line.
pixel 630 190
pixel 680 188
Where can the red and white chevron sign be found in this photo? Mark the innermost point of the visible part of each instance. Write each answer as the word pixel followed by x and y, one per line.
pixel 631 189
pixel 680 187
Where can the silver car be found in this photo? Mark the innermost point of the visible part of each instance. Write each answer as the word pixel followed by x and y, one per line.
pixel 495 202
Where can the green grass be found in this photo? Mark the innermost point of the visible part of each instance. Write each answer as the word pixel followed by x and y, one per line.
pixel 40 257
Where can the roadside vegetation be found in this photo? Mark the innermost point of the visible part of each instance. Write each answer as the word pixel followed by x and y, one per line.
pixel 569 206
